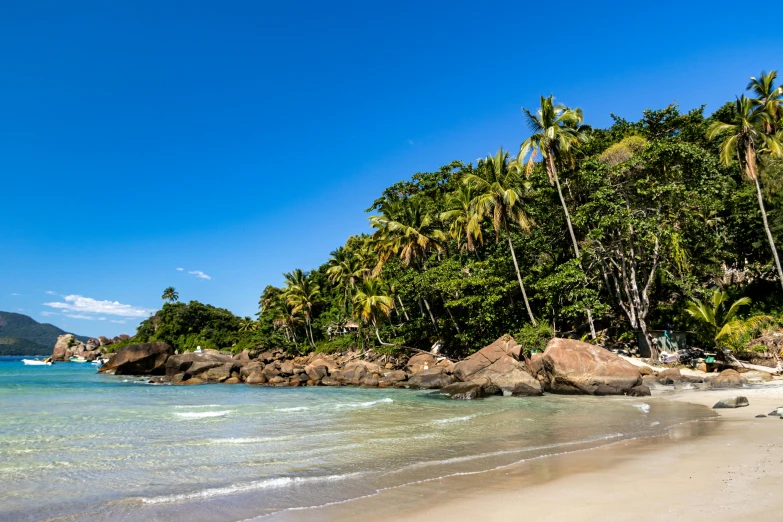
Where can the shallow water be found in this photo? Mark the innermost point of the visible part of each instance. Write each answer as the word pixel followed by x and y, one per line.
pixel 77 445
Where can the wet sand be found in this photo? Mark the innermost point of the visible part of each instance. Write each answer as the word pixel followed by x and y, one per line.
pixel 727 468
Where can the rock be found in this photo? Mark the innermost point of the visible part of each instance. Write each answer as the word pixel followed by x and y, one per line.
pixel 286 368
pixel 355 372
pixel 329 381
pixel 321 359
pixel 269 356
pixel 498 363
pixel 535 365
pixel 183 362
pixel 761 416
pixel 702 367
pixel 645 370
pixel 605 389
pixel 430 379
pixel 61 346
pixel 243 356
pixel 105 341
pixel 394 376
pixel 639 391
pixel 369 381
pixel 277 380
pixel 316 373
pixel 219 373
pixel 728 379
pixel 192 380
pixel 463 391
pixel 124 337
pixel 693 379
pixel 734 402
pixel 116 339
pixel 757 377
pixel 256 377
pixel 93 344
pixel 669 376
pixel 421 361
pixel 139 359
pixel 573 366
pixel 232 380
pixel 250 368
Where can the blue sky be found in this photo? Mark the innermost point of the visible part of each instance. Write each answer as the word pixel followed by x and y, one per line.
pixel 238 140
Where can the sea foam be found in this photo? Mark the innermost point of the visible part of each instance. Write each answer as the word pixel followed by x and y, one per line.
pixel 202 414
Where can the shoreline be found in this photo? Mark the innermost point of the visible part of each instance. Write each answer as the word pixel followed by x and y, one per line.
pixel 686 474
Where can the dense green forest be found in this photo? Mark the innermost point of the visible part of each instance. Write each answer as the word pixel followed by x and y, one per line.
pixel 586 232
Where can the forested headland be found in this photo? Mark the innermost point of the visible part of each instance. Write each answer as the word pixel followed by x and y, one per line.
pixel 570 231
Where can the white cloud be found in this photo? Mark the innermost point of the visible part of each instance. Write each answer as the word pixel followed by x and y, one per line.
pixel 20 309
pixel 47 313
pixel 410 142
pixel 199 274
pixel 101 318
pixel 15 294
pixel 180 269
pixel 118 322
pixel 79 316
pixel 51 292
pixel 80 305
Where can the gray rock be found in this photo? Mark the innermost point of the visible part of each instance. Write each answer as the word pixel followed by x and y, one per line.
pixel 733 402
pixel 431 379
pixel 639 391
pixel 463 391
pixel 761 416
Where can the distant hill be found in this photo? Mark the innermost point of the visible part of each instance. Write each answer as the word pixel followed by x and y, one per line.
pixel 23 335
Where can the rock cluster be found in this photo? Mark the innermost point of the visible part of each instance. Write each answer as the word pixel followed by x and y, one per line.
pixel 68 346
pixel 567 366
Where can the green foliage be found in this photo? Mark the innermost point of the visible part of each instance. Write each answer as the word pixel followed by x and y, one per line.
pixel 531 337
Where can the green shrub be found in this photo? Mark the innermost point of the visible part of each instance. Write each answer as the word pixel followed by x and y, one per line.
pixel 531 338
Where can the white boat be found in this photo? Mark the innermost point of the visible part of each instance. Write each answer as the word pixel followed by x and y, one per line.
pixel 37 362
pixel 78 359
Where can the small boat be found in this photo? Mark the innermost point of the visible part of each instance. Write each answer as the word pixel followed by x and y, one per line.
pixel 78 359
pixel 38 362
pixel 99 362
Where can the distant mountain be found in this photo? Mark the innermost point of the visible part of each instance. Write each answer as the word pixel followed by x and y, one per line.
pixel 23 335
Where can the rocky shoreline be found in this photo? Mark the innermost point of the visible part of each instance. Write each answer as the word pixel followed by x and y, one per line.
pixel 567 366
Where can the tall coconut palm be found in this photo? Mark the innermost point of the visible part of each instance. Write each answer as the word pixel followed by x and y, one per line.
pixel 743 140
pixel 556 132
pixel 248 325
pixel 498 196
pixel 768 98
pixel 302 293
pixel 724 327
pixel 372 304
pixel 405 228
pixel 465 219
pixel 170 295
pixel 346 269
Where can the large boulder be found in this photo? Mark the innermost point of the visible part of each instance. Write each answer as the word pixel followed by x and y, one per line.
pixel 105 341
pixel 572 366
pixel 359 373
pixel 139 359
pixel 431 379
pixel 195 363
pixel 64 342
pixel 729 379
pixel 733 402
pixel 463 391
pixel 93 344
pixel 669 376
pixel 499 363
pixel 421 361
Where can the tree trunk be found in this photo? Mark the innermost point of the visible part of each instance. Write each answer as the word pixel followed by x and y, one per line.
pixel 519 278
pixel 403 308
pixel 429 310
pixel 443 299
pixel 553 175
pixel 768 231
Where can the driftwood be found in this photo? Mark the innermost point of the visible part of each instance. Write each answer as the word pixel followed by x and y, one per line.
pixel 733 361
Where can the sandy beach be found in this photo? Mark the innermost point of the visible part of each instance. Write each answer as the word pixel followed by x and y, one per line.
pixel 726 468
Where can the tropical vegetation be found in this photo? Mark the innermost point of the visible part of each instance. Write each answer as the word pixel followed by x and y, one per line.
pixel 586 232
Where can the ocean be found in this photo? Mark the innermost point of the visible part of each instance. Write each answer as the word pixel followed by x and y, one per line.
pixel 75 445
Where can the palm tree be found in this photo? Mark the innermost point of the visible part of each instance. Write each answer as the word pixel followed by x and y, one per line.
pixel 743 140
pixel 371 304
pixel 170 295
pixel 346 269
pixel 405 228
pixel 248 325
pixel 556 131
pixel 465 219
pixel 498 196
pixel 724 328
pixel 768 98
pixel 301 293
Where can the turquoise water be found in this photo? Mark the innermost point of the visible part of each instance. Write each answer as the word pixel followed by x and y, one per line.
pixel 75 445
